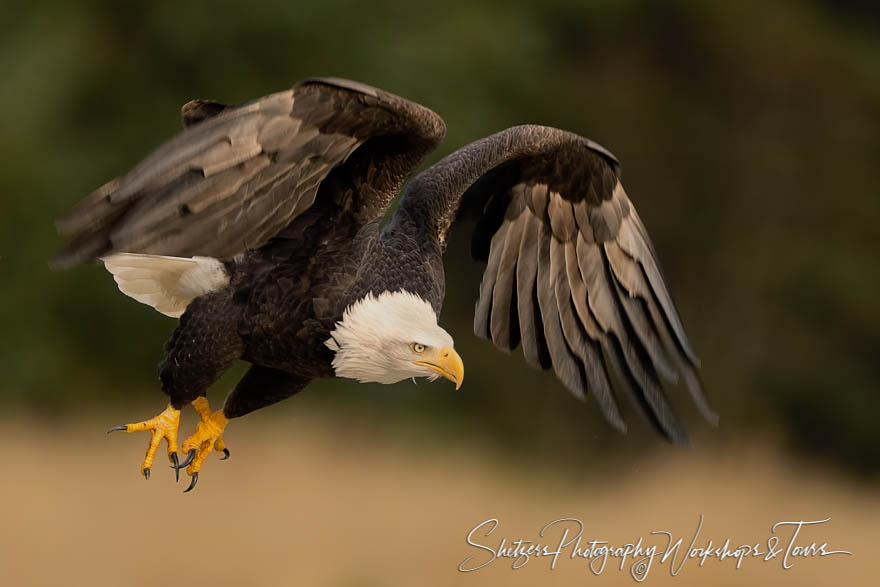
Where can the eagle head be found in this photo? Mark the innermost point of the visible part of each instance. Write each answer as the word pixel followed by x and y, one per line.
pixel 392 337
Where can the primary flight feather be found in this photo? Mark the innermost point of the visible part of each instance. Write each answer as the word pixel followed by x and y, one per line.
pixel 259 227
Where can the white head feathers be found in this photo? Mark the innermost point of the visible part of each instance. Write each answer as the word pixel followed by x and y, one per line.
pixel 373 341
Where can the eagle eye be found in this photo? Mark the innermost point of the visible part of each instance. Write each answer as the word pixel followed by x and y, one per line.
pixel 418 348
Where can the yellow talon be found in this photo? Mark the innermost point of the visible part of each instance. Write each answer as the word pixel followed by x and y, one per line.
pixel 207 437
pixel 162 426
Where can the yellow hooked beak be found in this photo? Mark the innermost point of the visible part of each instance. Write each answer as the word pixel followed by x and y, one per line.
pixel 444 362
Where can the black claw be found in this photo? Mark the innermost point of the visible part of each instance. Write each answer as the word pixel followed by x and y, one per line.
pixel 225 454
pixel 175 466
pixel 147 473
pixel 115 428
pixel 189 458
pixel 195 479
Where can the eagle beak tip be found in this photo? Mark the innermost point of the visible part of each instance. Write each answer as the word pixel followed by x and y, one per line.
pixel 448 364
pixel 455 366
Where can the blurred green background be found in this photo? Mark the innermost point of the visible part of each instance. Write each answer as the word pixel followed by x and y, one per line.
pixel 749 134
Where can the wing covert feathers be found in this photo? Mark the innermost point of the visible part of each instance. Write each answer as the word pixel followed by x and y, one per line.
pixel 238 175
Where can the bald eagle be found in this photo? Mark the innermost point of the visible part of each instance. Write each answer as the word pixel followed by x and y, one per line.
pixel 258 227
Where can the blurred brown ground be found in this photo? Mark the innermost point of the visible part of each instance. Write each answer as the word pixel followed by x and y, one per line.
pixel 314 499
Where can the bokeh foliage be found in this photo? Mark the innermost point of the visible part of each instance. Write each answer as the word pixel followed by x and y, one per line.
pixel 748 133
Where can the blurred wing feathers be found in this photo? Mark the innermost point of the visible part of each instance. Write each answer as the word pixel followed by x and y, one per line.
pixel 237 176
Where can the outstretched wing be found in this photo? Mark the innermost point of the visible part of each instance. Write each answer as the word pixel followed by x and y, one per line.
pixel 237 175
pixel 571 273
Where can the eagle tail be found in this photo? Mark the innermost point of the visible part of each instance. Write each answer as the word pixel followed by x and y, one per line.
pixel 168 284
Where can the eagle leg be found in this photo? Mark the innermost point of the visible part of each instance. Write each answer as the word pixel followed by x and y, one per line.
pixel 207 437
pixel 162 426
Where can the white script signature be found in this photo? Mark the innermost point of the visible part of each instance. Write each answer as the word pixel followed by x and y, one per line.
pixel 564 538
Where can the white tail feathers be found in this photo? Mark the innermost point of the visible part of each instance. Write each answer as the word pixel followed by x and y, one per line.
pixel 168 284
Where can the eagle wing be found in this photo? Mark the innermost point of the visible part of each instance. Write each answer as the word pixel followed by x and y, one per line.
pixel 238 175
pixel 571 273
